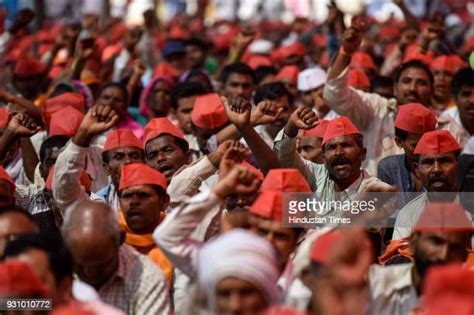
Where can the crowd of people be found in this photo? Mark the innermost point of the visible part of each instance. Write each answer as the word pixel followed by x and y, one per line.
pixel 146 169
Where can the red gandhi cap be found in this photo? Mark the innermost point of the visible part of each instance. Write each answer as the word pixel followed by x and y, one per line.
pixel 75 100
pixel 209 112
pixel 295 49
pixel 65 122
pixel 323 245
pixel 18 280
pixel 121 138
pixel 450 63
pixel 437 142
pixel 5 177
pixel 362 59
pixel 288 73
pixel 268 205
pixel 317 131
pixel 415 118
pixel 137 174
pixel 285 180
pixel 29 67
pixel 443 216
pixel 4 118
pixel 358 79
pixel 341 126
pixel 256 61
pixel 159 126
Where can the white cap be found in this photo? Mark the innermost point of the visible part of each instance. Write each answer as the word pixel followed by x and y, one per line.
pixel 261 47
pixel 311 79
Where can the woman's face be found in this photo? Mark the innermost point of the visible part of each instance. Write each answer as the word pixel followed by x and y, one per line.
pixel 160 99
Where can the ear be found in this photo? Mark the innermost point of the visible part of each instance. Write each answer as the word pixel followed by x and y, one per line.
pixel 363 154
pixel 398 141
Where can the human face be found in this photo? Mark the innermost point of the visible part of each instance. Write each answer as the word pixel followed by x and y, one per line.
pixel 164 155
pixel 240 202
pixel 178 61
pixel 465 103
pixel 408 145
pixel 14 224
pixel 287 109
pixel 239 85
pixel 96 257
pixel 310 148
pixel 431 249
pixel 160 99
pixel 442 84
pixel 195 56
pixel 237 296
pixel 385 91
pixel 183 113
pixel 30 87
pixel 38 261
pixel 114 97
pixel 119 157
pixel 413 86
pixel 284 240
pixel 438 172
pixel 49 160
pixel 142 207
pixel 343 158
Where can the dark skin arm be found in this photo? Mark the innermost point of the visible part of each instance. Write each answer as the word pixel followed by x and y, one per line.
pixel 21 105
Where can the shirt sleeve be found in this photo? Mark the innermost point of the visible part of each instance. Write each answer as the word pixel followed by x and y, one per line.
pixel 173 235
pixel 67 188
pixel 24 195
pixel 186 182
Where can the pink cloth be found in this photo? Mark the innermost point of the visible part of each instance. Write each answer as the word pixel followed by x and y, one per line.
pixel 129 123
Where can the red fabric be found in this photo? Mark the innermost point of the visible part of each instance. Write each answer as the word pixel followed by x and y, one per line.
pixel 285 180
pixel 449 290
pixel 209 112
pixel 358 79
pixel 159 126
pixel 389 32
pixel 396 248
pixel 178 32
pixel 138 174
pixel 443 216
pixel 73 308
pixel 449 63
pixel 412 53
pixel 5 177
pixel 283 310
pixel 288 73
pixel 18 280
pixel 362 59
pixel 437 142
pixel 338 127
pixel 256 61
pixel 110 52
pixel 415 118
pixel 317 131
pixel 268 205
pixel 84 179
pixel 165 69
pixel 323 246
pixel 55 104
pixel 319 40
pixel 65 122
pixel 295 49
pixel 120 138
pixel 254 169
pixel 4 118
pixel 29 67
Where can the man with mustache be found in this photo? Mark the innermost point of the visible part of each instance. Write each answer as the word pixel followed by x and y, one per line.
pixel 437 153
pixel 373 114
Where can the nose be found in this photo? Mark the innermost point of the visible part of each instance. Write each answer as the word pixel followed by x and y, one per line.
pixel 240 90
pixel 235 303
pixel 339 150
pixel 270 238
pixel 436 167
pixel 161 157
pixel 443 253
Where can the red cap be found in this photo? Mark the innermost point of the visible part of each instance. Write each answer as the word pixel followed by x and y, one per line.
pixel 358 79
pixel 29 67
pixel 120 138
pixel 283 310
pixel 295 49
pixel 209 112
pixel 75 100
pixel 319 40
pixel 4 118
pixel 268 205
pixel 389 32
pixel 5 177
pixel 178 32
pixel 285 180
pixel 338 127
pixel 449 290
pixel 449 63
pixel 288 73
pixel 84 178
pixel 110 51
pixel 437 142
pixel 254 169
pixel 137 174
pixel 65 122
pixel 323 245
pixel 317 131
pixel 165 69
pixel 256 61
pixel 362 59
pixel 412 53
pixel 18 280
pixel 415 118
pixel 443 216
pixel 158 126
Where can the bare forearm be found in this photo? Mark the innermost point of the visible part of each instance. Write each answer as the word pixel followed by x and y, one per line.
pixel 228 133
pixel 264 155
pixel 6 141
pixel 30 159
pixel 339 64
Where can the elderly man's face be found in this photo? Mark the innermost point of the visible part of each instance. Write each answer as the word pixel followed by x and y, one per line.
pixel 438 172
pixel 237 296
pixel 343 157
pixel 13 223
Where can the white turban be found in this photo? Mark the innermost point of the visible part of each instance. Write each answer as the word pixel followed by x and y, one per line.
pixel 240 254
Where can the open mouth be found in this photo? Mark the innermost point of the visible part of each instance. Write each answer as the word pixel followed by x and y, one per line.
pixel 412 98
pixel 165 169
pixel 341 166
